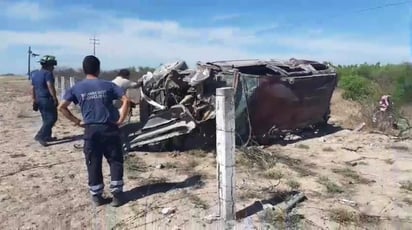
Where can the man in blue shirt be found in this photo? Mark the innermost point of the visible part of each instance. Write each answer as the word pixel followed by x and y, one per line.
pixel 101 135
pixel 44 98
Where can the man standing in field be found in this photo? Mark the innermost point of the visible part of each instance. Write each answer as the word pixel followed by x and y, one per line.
pixel 44 98
pixel 124 82
pixel 100 121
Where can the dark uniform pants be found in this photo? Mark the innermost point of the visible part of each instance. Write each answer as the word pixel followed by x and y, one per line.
pixel 48 111
pixel 103 140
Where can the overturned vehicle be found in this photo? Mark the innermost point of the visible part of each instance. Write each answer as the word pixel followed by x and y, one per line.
pixel 272 99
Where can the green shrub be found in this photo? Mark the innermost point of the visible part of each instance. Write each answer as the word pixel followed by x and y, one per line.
pixel 403 89
pixel 356 87
pixel 369 82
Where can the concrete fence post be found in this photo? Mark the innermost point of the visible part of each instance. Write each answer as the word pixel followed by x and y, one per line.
pixel 72 81
pixel 225 148
pixel 56 83
pixel 62 86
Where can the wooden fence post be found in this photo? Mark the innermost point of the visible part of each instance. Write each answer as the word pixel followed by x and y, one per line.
pixel 225 148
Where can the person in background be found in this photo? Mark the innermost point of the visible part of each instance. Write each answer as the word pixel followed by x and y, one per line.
pixel 124 82
pixel 44 98
pixel 101 122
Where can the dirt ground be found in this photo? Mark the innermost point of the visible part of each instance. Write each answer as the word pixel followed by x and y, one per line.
pixel 352 180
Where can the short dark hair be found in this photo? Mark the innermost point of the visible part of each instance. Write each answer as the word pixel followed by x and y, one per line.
pixel 91 65
pixel 124 73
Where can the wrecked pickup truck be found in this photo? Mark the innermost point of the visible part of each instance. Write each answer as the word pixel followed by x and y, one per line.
pixel 272 98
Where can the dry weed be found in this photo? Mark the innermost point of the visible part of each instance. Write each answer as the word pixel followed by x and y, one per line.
pixel 343 216
pixel 197 153
pixel 255 158
pixel 407 200
pixel 273 174
pixel 347 172
pixel 303 146
pixel 293 184
pixel 328 149
pixel 197 201
pixel 155 180
pixel 398 147
pixel 134 167
pixel 330 186
pixel 407 185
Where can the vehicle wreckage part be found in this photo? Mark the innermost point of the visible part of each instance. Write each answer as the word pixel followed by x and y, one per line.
pixel 150 101
pixel 272 97
pixel 174 122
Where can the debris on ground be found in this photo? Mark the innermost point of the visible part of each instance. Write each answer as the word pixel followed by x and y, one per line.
pixel 168 211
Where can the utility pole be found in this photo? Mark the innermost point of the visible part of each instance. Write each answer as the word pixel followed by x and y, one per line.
pixel 30 54
pixel 95 42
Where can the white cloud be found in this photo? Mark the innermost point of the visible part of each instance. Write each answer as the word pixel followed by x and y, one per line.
pixel 132 41
pixel 26 11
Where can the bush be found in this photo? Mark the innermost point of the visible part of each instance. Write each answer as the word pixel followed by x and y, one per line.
pixel 369 82
pixel 356 87
pixel 403 89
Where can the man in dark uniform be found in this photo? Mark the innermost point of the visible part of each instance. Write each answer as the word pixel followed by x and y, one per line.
pixel 101 135
pixel 44 98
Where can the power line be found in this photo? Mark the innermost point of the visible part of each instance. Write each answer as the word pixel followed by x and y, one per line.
pixel 95 42
pixel 383 6
pixel 361 10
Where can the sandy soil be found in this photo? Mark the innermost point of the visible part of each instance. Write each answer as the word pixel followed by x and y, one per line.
pixel 352 180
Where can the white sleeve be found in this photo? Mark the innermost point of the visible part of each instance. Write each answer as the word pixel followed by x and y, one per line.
pixel 131 84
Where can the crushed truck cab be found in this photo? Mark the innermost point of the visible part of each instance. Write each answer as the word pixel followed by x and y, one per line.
pixel 272 98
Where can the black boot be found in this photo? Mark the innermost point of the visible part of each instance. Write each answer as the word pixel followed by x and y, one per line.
pixel 118 199
pixel 98 200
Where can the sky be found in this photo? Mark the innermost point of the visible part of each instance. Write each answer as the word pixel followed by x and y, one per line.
pixel 151 32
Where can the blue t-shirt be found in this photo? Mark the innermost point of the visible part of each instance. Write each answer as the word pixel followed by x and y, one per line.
pixel 39 79
pixel 95 97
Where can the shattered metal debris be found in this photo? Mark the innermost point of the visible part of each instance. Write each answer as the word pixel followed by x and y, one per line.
pixel 160 166
pixel 272 98
pixel 168 211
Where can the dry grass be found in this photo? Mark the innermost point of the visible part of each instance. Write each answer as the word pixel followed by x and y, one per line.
pixel 255 158
pixel 346 217
pixel 171 165
pixel 197 153
pixel 407 200
pixel 274 217
pixel 349 173
pixel 328 149
pixel 248 194
pixel 343 216
pixel 134 166
pixel 277 219
pixel 155 180
pixel 197 201
pixel 293 184
pixel 302 146
pixel 398 148
pixel 273 174
pixel 407 185
pixel 330 186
